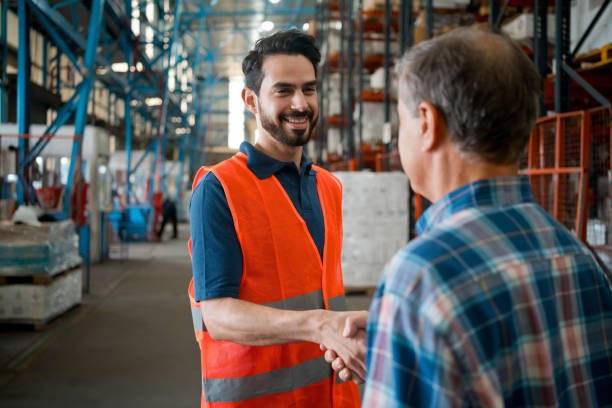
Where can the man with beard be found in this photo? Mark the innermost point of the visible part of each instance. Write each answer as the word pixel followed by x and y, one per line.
pixel 266 236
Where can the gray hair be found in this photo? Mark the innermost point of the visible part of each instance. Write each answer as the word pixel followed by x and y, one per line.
pixel 485 87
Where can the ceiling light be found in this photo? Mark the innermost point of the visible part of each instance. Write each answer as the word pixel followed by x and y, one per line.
pixel 153 101
pixel 120 67
pixel 266 26
pixel 274 1
pixel 305 27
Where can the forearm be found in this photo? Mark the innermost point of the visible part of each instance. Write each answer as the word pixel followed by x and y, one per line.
pixel 239 321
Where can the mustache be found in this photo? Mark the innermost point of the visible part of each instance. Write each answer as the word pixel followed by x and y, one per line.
pixel 298 114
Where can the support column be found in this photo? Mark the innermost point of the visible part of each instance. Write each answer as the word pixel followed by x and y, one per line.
pixel 95 21
pixel 23 99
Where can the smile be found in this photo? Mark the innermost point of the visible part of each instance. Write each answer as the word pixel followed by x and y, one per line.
pixel 296 120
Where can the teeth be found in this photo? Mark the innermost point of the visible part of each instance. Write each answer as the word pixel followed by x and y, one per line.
pixel 296 120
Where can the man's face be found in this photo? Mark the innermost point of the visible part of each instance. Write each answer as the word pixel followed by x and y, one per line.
pixel 408 145
pixel 287 102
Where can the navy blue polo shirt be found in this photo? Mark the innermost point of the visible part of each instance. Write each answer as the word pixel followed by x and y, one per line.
pixel 216 253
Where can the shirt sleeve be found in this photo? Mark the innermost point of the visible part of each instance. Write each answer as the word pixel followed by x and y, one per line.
pixel 409 363
pixel 216 253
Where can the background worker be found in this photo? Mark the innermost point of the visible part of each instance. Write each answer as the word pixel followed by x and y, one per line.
pixel 168 215
pixel 266 234
pixel 495 303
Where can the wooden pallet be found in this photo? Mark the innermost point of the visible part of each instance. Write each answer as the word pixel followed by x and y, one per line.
pixel 360 290
pixel 595 58
pixel 33 279
pixel 33 302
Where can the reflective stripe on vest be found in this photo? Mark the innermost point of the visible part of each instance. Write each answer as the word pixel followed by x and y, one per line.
pixel 271 382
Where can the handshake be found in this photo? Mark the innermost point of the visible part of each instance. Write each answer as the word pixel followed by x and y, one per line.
pixel 344 342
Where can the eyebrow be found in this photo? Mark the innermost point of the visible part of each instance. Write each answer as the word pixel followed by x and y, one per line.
pixel 289 85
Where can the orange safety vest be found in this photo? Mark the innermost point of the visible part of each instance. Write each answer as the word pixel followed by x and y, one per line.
pixel 282 268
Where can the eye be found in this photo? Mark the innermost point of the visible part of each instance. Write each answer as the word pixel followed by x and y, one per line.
pixel 309 90
pixel 283 91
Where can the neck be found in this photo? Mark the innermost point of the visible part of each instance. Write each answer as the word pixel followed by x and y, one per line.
pixel 277 150
pixel 463 171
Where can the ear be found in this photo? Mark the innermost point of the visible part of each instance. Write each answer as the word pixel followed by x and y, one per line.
pixel 432 127
pixel 250 100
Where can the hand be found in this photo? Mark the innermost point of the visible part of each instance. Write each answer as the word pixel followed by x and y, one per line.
pixel 354 327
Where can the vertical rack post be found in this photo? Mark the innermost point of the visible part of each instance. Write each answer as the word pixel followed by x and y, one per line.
pixel 360 74
pixel 406 26
pixel 351 88
pixel 562 43
pixel 3 56
pixel 429 19
pixel 540 49
pixel 341 69
pixel 387 68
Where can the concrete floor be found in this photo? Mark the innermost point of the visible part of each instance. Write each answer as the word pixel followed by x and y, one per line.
pixel 129 344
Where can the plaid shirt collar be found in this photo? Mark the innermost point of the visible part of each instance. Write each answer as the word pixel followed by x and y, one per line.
pixel 495 192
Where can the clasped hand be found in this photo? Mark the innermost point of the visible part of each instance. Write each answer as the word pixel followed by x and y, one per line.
pixel 347 357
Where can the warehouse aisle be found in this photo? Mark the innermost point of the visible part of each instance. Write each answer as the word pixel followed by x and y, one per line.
pixel 130 344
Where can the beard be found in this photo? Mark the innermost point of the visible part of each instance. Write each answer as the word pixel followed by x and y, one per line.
pixel 293 137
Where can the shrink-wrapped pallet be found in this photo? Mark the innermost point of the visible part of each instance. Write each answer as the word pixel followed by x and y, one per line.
pixel 40 302
pixel 46 250
pixel 375 223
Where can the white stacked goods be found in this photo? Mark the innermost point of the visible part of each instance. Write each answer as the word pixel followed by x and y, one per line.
pixel 375 221
pixel 521 27
pixel 38 278
pixel 46 250
pixel 40 302
pixel 374 120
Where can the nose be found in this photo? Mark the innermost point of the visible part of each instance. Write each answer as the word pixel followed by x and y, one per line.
pixel 299 102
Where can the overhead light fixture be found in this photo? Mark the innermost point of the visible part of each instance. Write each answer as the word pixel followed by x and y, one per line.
pixel 120 67
pixel 266 26
pixel 153 101
pixel 305 27
pixel 274 1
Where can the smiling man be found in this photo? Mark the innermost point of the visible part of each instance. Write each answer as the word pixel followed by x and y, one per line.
pixel 266 235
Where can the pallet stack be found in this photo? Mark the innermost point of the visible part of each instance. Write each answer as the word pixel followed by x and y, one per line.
pixel 375 225
pixel 40 274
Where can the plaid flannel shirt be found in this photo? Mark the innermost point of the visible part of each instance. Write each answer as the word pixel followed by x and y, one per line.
pixel 494 304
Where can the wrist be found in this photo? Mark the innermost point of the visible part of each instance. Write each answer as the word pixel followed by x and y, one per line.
pixel 313 325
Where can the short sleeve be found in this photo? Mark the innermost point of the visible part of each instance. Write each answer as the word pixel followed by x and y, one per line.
pixel 216 252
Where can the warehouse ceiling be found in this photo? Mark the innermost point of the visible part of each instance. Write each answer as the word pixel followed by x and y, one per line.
pixel 231 27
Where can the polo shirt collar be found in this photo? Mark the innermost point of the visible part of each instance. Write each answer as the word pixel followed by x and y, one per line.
pixel 264 166
pixel 495 192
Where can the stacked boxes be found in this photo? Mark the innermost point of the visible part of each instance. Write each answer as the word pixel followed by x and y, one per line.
pixel 375 220
pixel 46 250
pixel 38 278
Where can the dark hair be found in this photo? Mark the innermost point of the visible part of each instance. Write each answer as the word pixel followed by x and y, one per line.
pixel 484 86
pixel 291 42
